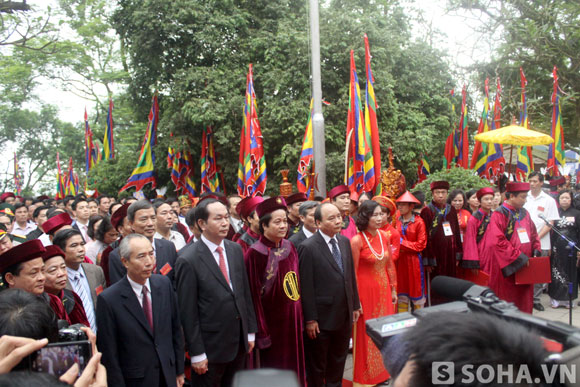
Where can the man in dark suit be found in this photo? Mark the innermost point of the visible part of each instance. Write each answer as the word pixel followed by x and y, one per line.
pixel 330 300
pixel 215 303
pixel 85 279
pixel 139 327
pixel 141 217
pixel 308 228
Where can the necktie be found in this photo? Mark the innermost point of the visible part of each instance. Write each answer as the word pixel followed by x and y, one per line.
pixel 147 307
pixel 336 254
pixel 87 302
pixel 223 267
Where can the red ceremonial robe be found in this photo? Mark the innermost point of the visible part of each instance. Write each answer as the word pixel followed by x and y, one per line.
pixel 348 227
pixel 57 306
pixel 504 254
pixel 442 252
pixel 74 307
pixel 473 239
pixel 247 239
pixel 410 275
pixel 275 285
pixel 394 239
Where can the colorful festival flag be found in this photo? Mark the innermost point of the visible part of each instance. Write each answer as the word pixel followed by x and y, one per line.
pixel 449 153
pixel 252 177
pixel 188 183
pixel 525 161
pixel 60 180
pixel 108 141
pixel 479 157
pixel 144 172
pixel 71 181
pixel 423 170
pixel 17 176
pixel 495 166
pixel 209 170
pixel 461 138
pixel 556 158
pixel 91 154
pixel 372 171
pixel 306 161
pixel 359 169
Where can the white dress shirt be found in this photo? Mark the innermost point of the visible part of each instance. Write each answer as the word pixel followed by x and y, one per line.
pixel 138 290
pixel 175 237
pixel 327 239
pixel 307 233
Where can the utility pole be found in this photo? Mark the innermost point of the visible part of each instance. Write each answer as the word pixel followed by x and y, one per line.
pixel 317 118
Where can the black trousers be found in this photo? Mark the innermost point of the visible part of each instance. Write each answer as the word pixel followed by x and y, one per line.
pixel 326 356
pixel 220 374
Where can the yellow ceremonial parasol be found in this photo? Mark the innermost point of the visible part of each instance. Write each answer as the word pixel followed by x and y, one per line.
pixel 514 135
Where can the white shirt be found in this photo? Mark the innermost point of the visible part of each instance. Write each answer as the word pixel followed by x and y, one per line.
pixel 307 233
pixel 542 204
pixel 175 237
pixel 138 290
pixel 327 239
pixel 84 283
pixel 23 231
pixel 212 247
pixel 236 223
pixel 84 228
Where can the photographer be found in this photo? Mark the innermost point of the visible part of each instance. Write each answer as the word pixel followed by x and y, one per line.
pixel 27 324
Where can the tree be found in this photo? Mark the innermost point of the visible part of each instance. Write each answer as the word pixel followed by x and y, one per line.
pixel 197 54
pixel 458 178
pixel 536 35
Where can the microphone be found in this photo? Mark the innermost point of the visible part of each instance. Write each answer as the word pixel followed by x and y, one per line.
pixel 543 217
pixel 459 290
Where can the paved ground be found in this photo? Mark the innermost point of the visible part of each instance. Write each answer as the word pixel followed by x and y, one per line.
pixel 560 314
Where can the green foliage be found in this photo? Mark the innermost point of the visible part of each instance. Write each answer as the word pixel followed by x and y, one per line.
pixel 535 35
pixel 458 178
pixel 197 54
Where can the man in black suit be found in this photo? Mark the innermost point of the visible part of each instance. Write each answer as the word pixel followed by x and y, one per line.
pixel 141 217
pixel 330 300
pixel 308 228
pixel 139 326
pixel 215 303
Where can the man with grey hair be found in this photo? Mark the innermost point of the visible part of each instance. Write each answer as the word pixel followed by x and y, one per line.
pixel 142 306
pixel 142 219
pixel 306 213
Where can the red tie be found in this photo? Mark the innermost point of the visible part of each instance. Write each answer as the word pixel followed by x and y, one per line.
pixel 147 308
pixel 223 267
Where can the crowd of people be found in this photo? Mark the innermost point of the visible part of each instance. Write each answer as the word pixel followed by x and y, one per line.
pixel 192 290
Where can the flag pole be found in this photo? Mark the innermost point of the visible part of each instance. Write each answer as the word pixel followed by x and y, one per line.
pixel 317 118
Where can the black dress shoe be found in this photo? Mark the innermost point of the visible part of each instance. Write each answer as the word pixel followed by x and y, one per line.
pixel 538 307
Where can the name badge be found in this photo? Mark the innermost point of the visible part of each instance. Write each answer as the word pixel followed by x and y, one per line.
pixel 447 229
pixel 571 219
pixel 523 235
pixel 540 209
pixel 461 235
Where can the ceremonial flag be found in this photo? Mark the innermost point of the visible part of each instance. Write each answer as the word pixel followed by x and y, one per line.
pixel 209 175
pixel 462 141
pixel 307 155
pixel 252 176
pixel 60 180
pixel 359 169
pixel 144 172
pixel 108 141
pixel 479 157
pixel 423 170
pixel 71 181
pixel 372 170
pixel 525 161
pixel 91 157
pixel 170 155
pixel 17 176
pixel 556 156
pixel 188 183
pixel 495 161
pixel 449 153
pixel 177 170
